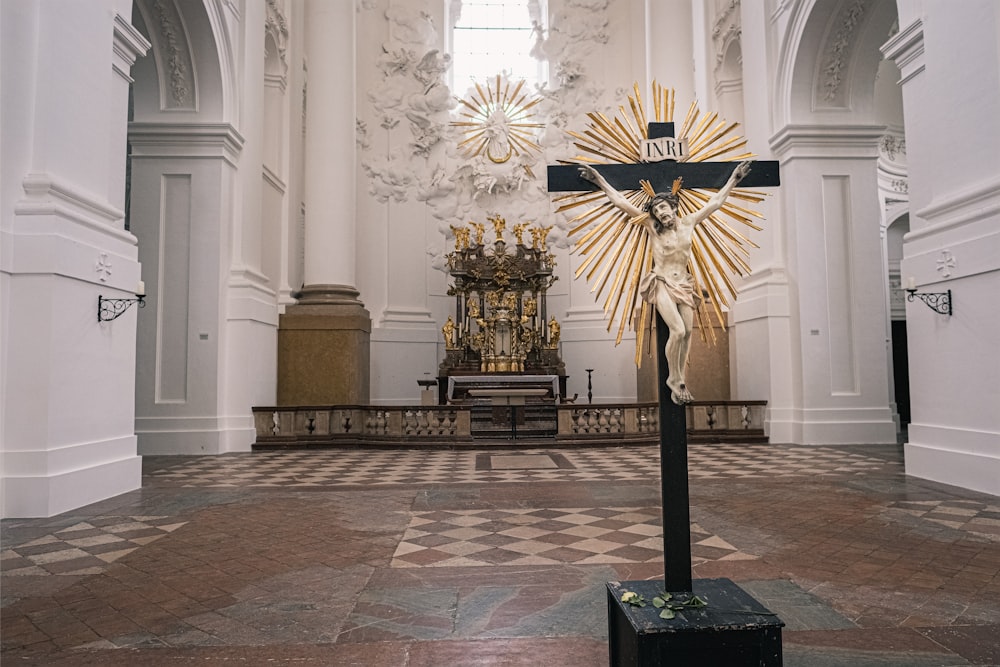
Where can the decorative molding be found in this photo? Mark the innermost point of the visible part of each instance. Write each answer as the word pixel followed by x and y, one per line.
pixel 47 195
pixel 838 53
pixel 277 27
pixel 726 29
pixel 128 44
pixel 827 141
pixel 274 180
pixel 103 267
pixel 174 53
pixel 945 263
pixel 279 81
pixel 979 202
pixel 728 86
pixel 783 6
pixel 906 48
pixel 891 145
pixel 185 140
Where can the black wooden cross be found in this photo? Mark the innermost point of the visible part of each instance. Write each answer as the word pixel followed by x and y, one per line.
pixel 673 418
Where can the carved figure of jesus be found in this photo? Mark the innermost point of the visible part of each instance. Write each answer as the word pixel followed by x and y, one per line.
pixel 668 286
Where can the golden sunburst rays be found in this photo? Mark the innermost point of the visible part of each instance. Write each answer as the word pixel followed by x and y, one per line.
pixel 617 253
pixel 497 121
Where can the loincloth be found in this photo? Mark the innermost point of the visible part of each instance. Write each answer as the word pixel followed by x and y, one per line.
pixel 679 291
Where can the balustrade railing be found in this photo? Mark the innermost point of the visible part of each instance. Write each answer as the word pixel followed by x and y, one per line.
pixel 627 423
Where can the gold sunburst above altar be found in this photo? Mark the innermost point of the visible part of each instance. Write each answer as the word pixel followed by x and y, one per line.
pixel 617 253
pixel 498 121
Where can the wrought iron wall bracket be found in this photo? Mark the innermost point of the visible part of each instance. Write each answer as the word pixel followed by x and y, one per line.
pixel 112 309
pixel 939 302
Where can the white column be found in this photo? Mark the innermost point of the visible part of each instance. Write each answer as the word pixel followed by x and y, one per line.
pixel 324 341
pixel 331 203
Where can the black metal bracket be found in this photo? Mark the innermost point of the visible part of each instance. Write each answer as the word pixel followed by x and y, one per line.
pixel 112 309
pixel 939 302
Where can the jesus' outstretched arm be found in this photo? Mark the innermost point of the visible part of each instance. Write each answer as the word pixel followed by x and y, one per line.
pixel 716 201
pixel 590 174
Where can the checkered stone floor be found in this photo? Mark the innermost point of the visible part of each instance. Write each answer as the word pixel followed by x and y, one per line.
pixel 86 547
pixel 324 468
pixel 457 538
pixel 981 519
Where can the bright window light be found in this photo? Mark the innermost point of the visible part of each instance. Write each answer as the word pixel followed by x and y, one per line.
pixel 492 37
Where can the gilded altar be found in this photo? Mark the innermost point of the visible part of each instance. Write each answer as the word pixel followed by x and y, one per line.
pixel 500 325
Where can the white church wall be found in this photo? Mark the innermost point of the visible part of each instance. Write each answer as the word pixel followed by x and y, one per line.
pixel 951 98
pixel 67 432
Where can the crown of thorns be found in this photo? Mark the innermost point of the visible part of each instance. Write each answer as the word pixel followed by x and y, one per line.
pixel 670 198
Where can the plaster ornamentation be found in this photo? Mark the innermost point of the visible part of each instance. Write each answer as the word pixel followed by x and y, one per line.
pixel 726 29
pixel 277 26
pixel 945 263
pixel 900 185
pixel 891 146
pixel 390 178
pixel 411 100
pixel 173 49
pixel 361 129
pixel 103 267
pixel 839 51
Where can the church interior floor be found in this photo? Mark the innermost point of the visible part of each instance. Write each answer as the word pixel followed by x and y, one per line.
pixel 496 557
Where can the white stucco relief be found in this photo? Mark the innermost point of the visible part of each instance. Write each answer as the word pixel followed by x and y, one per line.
pixel 456 188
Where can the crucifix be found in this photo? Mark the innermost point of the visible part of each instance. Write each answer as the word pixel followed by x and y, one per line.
pixel 657 170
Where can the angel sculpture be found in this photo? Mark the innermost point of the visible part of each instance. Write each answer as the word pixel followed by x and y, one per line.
pixel 480 231
pixel 668 285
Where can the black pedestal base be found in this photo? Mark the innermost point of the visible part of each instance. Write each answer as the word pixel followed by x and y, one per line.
pixel 734 629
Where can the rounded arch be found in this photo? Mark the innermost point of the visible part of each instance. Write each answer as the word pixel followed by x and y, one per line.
pixel 830 60
pixel 191 70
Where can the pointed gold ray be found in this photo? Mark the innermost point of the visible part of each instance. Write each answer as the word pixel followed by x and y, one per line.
pixel 616 249
pixel 606 248
pixel 692 114
pixel 712 137
pixel 608 130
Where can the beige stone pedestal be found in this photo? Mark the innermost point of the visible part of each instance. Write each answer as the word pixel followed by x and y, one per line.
pixel 324 349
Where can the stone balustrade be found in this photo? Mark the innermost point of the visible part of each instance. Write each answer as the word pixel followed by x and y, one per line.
pixel 451 425
pixel 360 424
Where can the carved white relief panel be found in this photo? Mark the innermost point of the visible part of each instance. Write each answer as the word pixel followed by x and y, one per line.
pixel 412 97
pixel 836 58
pixel 170 42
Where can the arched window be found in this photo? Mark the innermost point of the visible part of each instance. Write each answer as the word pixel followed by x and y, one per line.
pixel 493 36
